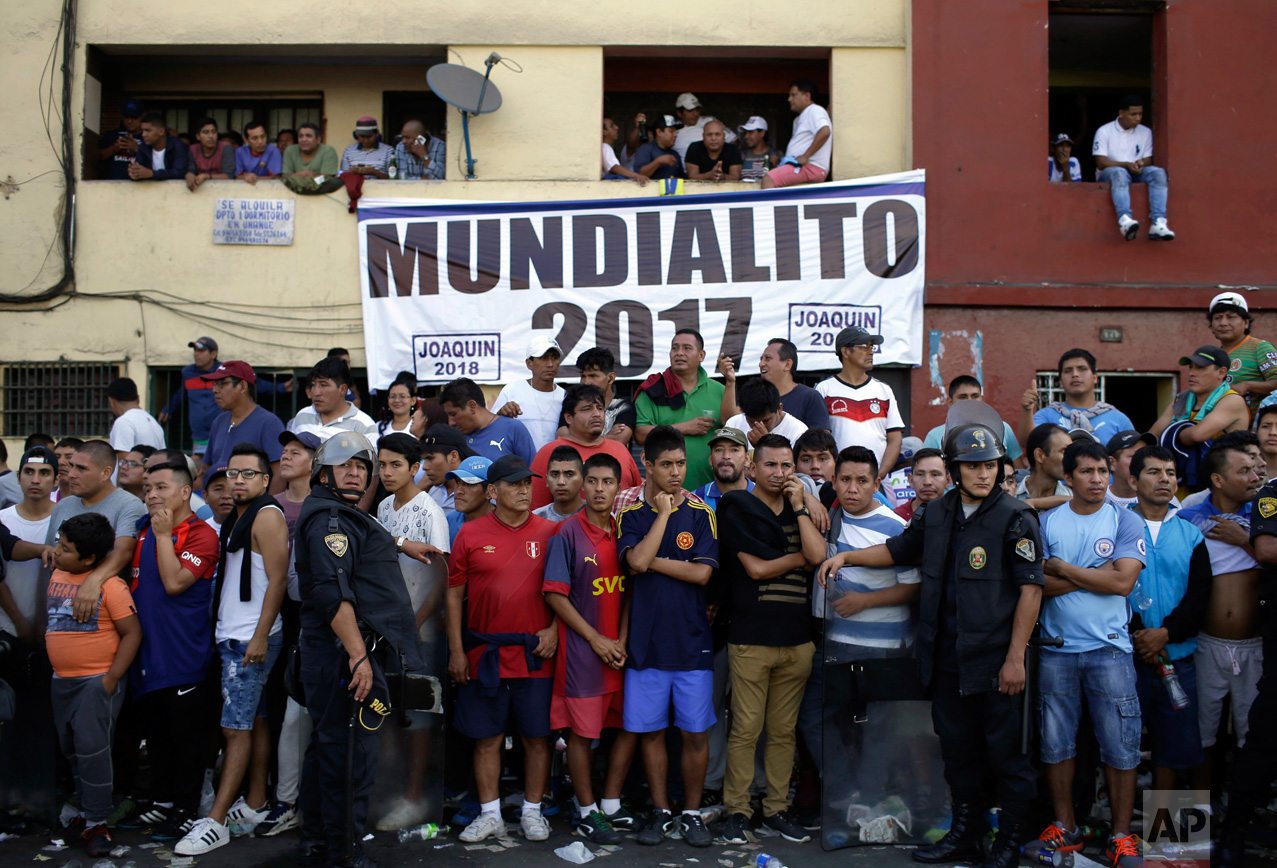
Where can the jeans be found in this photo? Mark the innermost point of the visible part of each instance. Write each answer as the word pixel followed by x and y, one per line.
pixel 1105 677
pixel 1120 180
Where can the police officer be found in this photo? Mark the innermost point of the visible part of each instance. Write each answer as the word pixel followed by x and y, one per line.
pixel 357 622
pixel 981 561
pixel 1256 765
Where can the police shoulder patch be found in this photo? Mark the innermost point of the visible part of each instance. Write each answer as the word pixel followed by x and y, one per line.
pixel 1267 507
pixel 337 543
pixel 1025 549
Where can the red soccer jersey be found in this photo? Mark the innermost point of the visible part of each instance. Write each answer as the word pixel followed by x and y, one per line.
pixel 540 464
pixel 503 569
pixel 583 566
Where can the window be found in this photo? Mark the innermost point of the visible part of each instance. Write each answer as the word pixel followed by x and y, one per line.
pixel 1141 395
pixel 61 399
pixel 234 113
pixel 1098 53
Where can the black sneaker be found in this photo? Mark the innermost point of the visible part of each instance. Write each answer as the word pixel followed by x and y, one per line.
pixel 621 819
pixel 145 816
pixel 734 829
pixel 359 859
pixel 659 824
pixel 98 840
pixel 73 830
pixel 312 854
pixel 175 827
pixel 784 825
pixel 711 798
pixel 597 829
pixel 694 831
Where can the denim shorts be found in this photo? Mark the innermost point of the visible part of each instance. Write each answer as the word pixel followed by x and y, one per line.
pixel 244 687
pixel 1106 678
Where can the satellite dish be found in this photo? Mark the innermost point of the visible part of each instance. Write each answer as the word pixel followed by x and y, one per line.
pixel 469 92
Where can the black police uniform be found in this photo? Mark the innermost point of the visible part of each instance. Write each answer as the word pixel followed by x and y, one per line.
pixel 1256 764
pixel 344 555
pixel 972 571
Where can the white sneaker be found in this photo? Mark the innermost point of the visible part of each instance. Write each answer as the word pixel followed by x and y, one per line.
pixel 535 827
pixel 243 819
pixel 1159 231
pixel 484 826
pixel 403 815
pixel 206 834
pixel 1128 226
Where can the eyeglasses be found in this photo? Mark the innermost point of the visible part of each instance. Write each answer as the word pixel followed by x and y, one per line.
pixel 130 464
pixel 233 473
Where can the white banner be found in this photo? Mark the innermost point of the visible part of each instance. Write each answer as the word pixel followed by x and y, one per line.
pixel 457 289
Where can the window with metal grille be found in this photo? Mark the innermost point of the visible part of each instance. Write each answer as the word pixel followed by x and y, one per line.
pixel 1141 395
pixel 61 399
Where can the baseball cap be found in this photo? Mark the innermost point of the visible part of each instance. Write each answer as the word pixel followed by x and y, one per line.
pixel 908 446
pixel 1128 438
pixel 510 468
pixel 204 344
pixel 39 455
pixel 305 438
pixel 234 368
pixel 735 435
pixel 1229 299
pixel 442 437
pixel 853 335
pixel 365 126
pixel 687 101
pixel 539 346
pixel 133 108
pixel 1059 138
pixel 662 121
pixel 1208 355
pixel 1082 434
pixel 754 123
pixel 472 471
pixel 212 473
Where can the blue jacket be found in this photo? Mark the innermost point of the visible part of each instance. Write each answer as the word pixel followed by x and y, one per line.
pixel 176 156
pixel 1175 584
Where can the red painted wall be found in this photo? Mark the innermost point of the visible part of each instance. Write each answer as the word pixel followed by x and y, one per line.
pixel 1038 268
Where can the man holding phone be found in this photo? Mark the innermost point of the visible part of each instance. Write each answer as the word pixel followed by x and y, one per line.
pixel 419 155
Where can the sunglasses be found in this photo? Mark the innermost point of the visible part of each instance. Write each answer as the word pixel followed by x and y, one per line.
pixel 234 473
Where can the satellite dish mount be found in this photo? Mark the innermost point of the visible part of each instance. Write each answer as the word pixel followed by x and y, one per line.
pixel 469 92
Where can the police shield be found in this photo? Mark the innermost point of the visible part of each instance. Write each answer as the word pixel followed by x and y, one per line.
pixel 968 413
pixel 883 781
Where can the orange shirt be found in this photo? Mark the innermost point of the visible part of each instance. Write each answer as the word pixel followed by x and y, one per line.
pixel 80 649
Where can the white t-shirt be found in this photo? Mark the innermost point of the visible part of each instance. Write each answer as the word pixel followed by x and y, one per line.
pixel 420 520
pixel 609 158
pixel 157 160
pixel 860 415
pixel 790 427
pixel 809 122
pixel 683 140
pixel 23 577
pixel 541 410
pixel 237 619
pixel 136 427
pixel 1122 146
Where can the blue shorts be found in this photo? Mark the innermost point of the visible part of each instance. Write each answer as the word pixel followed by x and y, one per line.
pixel 527 700
pixel 1106 678
pixel 649 692
pixel 1177 741
pixel 244 687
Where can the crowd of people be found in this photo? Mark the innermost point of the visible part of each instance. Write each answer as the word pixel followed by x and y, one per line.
pixel 690 556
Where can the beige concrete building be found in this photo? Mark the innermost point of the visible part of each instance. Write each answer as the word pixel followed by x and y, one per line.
pixel 147 276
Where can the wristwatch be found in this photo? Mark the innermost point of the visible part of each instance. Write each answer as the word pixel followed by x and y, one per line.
pixel 399 543
pixel 801 512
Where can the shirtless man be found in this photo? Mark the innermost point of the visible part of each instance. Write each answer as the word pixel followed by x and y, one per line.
pixel 1229 656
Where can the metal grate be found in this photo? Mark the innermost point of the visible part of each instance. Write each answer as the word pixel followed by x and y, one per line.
pixel 61 399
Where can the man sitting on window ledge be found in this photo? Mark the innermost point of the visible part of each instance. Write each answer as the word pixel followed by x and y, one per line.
pixel 1062 166
pixel 1123 152
pixel 258 158
pixel 160 157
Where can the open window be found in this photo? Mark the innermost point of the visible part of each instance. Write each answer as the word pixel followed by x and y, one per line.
pixel 1099 51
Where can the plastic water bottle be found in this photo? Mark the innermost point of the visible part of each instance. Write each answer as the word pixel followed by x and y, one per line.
pixel 768 861
pixel 1140 597
pixel 1057 858
pixel 424 832
pixel 1166 671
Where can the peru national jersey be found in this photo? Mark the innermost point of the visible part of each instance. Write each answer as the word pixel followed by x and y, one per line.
pixel 582 564
pixel 503 568
pixel 860 415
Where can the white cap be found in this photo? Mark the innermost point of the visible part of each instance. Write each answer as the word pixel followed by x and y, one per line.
pixel 754 123
pixel 908 446
pixel 539 346
pixel 687 101
pixel 1233 298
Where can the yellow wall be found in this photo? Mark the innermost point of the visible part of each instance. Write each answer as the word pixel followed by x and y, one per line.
pixel 148 277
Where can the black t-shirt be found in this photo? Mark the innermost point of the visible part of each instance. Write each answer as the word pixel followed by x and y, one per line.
pixel 775 611
pixel 117 167
pixel 698 156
